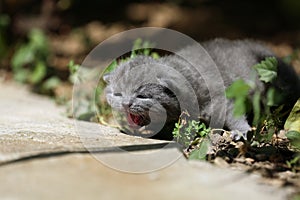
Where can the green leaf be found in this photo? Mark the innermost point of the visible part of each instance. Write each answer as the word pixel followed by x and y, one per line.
pixel 28 62
pixel 176 132
pixel 274 98
pixel 21 75
pixel 137 44
pixel 51 83
pixel 111 66
pixel 141 47
pixel 86 116
pixel 38 40
pixel 39 72
pixel 292 124
pixel 238 88
pixel 238 91
pixel 146 52
pixel 293 135
pixel 239 107
pixel 23 56
pixel 200 154
pixel 267 69
pixel 293 161
pixel 73 68
pixel 294 138
pixel 155 55
pixel 293 121
pixel 256 107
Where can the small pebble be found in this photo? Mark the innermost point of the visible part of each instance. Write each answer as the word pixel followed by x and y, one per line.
pixel 281 134
pixel 220 162
pixel 249 161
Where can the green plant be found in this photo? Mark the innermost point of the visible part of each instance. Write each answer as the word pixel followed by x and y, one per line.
pixel 73 69
pixel 248 97
pixel 200 152
pixel 29 61
pixel 296 197
pixel 140 47
pixel 239 91
pixel 265 119
pixel 192 134
pixel 186 131
pixel 292 125
pixel 267 69
pixel 293 163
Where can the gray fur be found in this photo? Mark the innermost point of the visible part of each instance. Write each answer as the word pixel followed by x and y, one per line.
pixel 175 83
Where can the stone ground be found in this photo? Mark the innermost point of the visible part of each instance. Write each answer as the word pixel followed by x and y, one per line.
pixel 45 155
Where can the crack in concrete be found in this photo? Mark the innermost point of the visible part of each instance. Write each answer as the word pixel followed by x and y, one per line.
pixel 117 149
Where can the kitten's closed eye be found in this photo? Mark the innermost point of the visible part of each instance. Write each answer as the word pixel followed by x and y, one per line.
pixel 140 96
pixel 117 94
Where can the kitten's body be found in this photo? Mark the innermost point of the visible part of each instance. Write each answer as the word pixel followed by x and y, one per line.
pixel 151 90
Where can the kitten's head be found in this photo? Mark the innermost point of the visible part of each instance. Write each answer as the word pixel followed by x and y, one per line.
pixel 135 92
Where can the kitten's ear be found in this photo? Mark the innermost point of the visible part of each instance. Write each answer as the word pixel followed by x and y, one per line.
pixel 106 77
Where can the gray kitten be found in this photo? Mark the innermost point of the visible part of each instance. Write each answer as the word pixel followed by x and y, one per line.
pixel 150 94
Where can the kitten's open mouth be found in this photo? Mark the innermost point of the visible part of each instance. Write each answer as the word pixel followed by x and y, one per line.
pixel 137 120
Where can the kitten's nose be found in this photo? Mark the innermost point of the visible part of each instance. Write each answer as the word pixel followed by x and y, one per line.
pixel 127 103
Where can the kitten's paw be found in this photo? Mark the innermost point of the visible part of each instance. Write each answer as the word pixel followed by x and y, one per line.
pixel 237 135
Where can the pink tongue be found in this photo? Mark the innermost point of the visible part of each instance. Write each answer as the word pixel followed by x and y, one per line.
pixel 133 119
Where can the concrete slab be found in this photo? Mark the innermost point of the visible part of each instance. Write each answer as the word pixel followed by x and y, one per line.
pixel 31 124
pixel 80 176
pixel 42 156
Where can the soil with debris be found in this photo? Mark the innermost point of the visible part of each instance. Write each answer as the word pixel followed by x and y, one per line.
pixel 270 161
